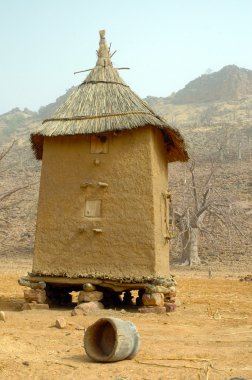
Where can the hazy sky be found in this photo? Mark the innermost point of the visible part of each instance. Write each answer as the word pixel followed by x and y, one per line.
pixel 166 43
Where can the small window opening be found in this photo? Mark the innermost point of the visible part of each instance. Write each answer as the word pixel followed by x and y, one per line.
pixel 99 144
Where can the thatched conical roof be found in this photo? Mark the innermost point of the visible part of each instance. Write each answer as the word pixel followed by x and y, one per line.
pixel 103 103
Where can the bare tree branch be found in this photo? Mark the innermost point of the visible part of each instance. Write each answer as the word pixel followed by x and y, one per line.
pixel 7 194
pixel 6 151
pixel 192 167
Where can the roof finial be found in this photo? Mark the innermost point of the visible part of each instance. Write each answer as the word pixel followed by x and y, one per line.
pixel 102 34
pixel 103 52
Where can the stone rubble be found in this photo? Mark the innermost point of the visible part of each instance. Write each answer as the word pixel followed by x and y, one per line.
pixel 86 308
pixel 60 323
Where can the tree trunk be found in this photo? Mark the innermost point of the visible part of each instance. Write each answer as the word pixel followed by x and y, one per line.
pixel 239 151
pixel 190 254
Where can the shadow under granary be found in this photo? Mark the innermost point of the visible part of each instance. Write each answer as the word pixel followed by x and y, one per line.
pixel 103 212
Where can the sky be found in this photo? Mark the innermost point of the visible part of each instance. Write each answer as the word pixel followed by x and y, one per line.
pixel 165 43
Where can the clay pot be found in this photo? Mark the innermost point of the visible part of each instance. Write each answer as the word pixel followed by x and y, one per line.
pixel 111 340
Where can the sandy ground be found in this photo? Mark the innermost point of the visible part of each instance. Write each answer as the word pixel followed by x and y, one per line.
pixel 208 337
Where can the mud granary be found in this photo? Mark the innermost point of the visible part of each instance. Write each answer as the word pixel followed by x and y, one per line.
pixel 103 202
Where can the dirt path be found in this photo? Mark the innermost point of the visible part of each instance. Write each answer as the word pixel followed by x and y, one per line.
pixel 211 329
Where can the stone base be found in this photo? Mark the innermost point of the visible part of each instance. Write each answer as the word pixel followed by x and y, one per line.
pixel 152 292
pixel 37 295
pixel 152 309
pixel 170 307
pixel 90 296
pixel 153 284
pixel 154 299
pixel 35 306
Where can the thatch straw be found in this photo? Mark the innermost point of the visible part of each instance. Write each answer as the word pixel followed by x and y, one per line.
pixel 104 103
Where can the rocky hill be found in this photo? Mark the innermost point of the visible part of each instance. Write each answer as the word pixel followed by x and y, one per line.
pixel 231 83
pixel 48 110
pixel 213 112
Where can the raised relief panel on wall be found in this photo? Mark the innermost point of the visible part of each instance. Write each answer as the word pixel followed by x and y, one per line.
pixel 99 144
pixel 164 208
pixel 93 208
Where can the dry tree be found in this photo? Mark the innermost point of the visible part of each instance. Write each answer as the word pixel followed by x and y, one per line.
pixel 6 193
pixel 204 209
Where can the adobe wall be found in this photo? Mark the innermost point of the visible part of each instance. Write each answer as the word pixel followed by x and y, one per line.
pixel 161 203
pixel 65 241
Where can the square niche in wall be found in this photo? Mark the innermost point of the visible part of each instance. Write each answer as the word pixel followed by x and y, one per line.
pixel 93 208
pixel 99 144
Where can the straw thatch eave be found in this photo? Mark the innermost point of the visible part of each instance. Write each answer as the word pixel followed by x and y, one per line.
pixel 173 141
pixel 104 103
